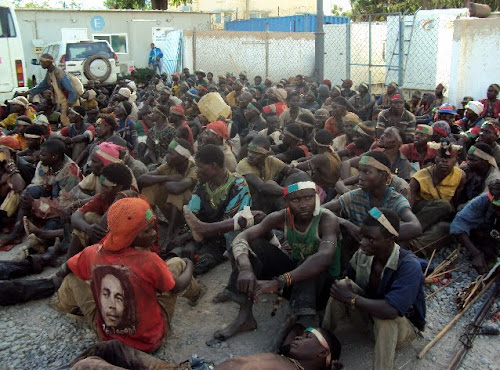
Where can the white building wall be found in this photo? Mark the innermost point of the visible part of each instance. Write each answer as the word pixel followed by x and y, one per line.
pixel 475 55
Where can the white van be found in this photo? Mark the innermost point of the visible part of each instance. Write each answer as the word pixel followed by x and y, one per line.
pixel 12 66
pixel 87 60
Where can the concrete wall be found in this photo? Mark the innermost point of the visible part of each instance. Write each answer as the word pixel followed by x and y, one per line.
pixel 46 25
pixel 219 52
pixel 475 55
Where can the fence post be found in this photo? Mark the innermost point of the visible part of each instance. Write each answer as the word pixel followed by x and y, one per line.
pixel 319 44
pixel 369 53
pixel 348 49
pixel 401 48
pixel 194 49
pixel 267 50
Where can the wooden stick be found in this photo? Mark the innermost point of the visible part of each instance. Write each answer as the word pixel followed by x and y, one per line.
pixel 440 289
pixel 429 263
pixel 450 259
pixel 454 320
pixel 430 244
pixel 429 279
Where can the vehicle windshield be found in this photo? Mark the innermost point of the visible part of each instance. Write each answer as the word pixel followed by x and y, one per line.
pixel 7 28
pixel 81 50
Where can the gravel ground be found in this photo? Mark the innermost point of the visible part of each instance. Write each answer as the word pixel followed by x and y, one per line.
pixel 33 336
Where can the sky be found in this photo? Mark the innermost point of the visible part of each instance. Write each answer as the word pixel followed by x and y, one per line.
pixel 98 4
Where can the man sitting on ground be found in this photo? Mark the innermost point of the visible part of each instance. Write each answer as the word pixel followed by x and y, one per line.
pixel 374 175
pixel 216 133
pixel 88 223
pixel 418 153
pixel 301 274
pixel 383 289
pixel 219 195
pixel 324 164
pixel 476 226
pixel 434 193
pixel 132 292
pixel 480 170
pixel 397 116
pixel 489 134
pixel 292 147
pixel 28 158
pixel 56 174
pixel 169 187
pixel 260 171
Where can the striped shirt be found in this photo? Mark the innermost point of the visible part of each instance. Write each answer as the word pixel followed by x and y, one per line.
pixel 356 204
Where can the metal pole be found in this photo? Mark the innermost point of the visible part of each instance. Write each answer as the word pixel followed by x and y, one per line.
pixel 401 49
pixel 194 49
pixel 370 53
pixel 348 49
pixel 267 50
pixel 319 43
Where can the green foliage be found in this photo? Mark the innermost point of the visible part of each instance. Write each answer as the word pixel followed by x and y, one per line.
pixel 32 4
pixel 141 4
pixel 339 11
pixel 410 6
pixel 125 4
pixel 62 4
pixel 141 75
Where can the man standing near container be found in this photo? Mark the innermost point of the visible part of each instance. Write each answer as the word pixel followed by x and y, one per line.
pixel 155 56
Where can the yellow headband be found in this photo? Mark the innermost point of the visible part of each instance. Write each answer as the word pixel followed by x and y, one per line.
pixel 370 161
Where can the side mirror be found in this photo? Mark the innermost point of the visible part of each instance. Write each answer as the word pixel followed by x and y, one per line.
pixel 35 62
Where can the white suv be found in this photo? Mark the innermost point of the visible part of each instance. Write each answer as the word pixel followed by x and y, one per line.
pixel 88 60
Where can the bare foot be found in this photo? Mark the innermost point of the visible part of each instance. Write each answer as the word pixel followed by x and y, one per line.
pixel 240 325
pixel 221 297
pixel 193 301
pixel 30 228
pixel 194 224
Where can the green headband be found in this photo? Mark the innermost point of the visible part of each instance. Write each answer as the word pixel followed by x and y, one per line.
pixel 174 145
pixel 257 149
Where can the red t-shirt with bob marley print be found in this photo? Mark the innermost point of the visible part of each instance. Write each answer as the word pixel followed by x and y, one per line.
pixel 125 285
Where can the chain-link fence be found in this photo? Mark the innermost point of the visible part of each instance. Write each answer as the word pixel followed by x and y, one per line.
pixel 378 49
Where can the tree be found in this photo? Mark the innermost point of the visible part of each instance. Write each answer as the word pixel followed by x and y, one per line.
pixel 338 11
pixel 141 4
pixel 410 6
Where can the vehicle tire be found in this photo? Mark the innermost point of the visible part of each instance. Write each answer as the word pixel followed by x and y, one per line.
pixel 103 68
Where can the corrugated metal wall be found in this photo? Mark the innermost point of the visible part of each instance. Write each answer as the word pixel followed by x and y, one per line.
pixel 293 23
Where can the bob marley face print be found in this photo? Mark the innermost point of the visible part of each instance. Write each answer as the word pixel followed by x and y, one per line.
pixel 115 299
